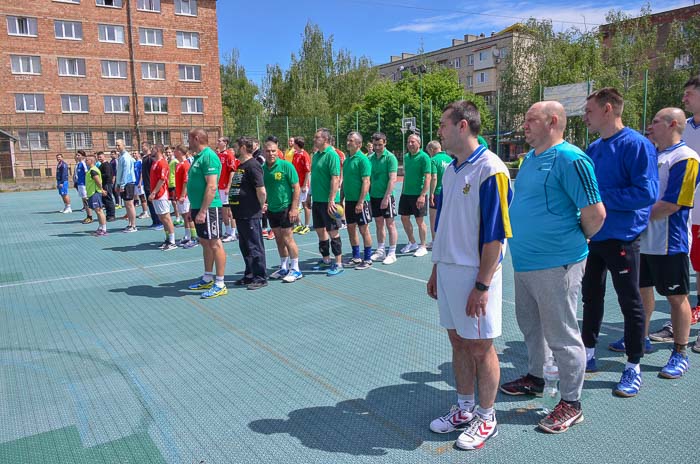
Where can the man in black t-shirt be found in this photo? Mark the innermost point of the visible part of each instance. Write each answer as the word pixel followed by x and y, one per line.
pixel 246 199
pixel 107 185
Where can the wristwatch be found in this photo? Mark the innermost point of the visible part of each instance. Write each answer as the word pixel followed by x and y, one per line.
pixel 481 287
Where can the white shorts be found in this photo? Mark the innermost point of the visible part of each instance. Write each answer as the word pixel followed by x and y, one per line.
pixel 183 206
pixel 162 205
pixel 138 190
pixel 454 283
pixel 303 196
pixel 223 194
pixel 82 192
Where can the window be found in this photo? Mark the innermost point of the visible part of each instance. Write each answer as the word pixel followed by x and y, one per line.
pixel 186 7
pixel 113 136
pixel 24 64
pixel 29 102
pixel 483 56
pixel 190 73
pixel 152 37
pixel 33 140
pixel 153 71
pixel 149 5
pixel 69 30
pixel 155 104
pixel 116 104
pixel 192 105
pixel 470 81
pixel 111 33
pixel 19 25
pixel 154 136
pixel 185 137
pixel 482 77
pixel 111 3
pixel 458 62
pixel 470 60
pixel 187 39
pixel 114 69
pixel 78 140
pixel 503 52
pixel 74 103
pixel 74 67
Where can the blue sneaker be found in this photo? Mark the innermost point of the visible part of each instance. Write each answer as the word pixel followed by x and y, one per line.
pixel 334 270
pixel 201 285
pixel 214 291
pixel 158 227
pixel 279 273
pixel 591 366
pixel 321 264
pixel 629 385
pixel 619 346
pixel 292 276
pixel 676 366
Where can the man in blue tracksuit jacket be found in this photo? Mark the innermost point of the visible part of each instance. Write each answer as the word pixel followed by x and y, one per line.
pixel 628 180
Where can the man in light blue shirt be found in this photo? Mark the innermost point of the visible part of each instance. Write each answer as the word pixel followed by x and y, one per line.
pixel 126 180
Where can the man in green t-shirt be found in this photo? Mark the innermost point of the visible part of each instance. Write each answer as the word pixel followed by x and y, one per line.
pixel 439 160
pixel 94 190
pixel 381 192
pixel 205 204
pixel 282 208
pixel 325 193
pixel 356 179
pixel 416 182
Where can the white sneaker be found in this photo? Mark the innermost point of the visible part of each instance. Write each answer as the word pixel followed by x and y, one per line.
pixel 476 434
pixel 228 238
pixel 410 248
pixel 453 420
pixel 390 259
pixel 378 255
pixel 292 276
pixel 67 210
pixel 279 273
pixel 421 251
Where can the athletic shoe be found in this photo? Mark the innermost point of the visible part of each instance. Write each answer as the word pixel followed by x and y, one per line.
pixel 292 276
pixel 305 230
pixel 363 266
pixel 321 264
pixel 663 335
pixel 591 365
pixel 87 220
pixel 279 273
pixel 257 284
pixel 265 233
pixel 214 292
pixel 696 345
pixel 228 238
pixel 143 215
pixel 410 248
pixel 619 346
pixel 378 255
pixel 352 262
pixel 629 385
pixel 270 235
pixel 390 259
pixel 100 233
pixel 476 434
pixel 118 206
pixel 421 251
pixel 562 418
pixel 525 385
pixel 695 315
pixel 169 246
pixel 429 246
pixel 129 229
pixel 111 219
pixel 163 245
pixel 676 366
pixel 156 227
pixel 67 210
pixel 453 420
pixel 201 285
pixel 191 244
pixel 343 226
pixel 183 241
pixel 334 270
pixel 297 229
pixel 243 281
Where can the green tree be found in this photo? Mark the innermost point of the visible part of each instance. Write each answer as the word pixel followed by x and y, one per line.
pixel 239 96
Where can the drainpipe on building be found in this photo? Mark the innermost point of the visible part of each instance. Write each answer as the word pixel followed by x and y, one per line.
pixel 132 64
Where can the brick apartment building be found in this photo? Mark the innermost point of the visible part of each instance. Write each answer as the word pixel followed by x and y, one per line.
pixel 79 74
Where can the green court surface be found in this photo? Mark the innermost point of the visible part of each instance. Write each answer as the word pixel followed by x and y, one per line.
pixel 107 358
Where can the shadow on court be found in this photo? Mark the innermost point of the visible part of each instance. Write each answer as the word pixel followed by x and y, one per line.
pixel 82 233
pixel 169 289
pixel 148 246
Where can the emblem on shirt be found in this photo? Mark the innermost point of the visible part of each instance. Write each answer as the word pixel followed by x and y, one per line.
pixel 278 176
pixel 466 188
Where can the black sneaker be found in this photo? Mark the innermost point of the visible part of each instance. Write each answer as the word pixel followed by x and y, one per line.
pixel 364 265
pixel 243 282
pixel 164 245
pixel 352 262
pixel 169 246
pixel 257 284
pixel 525 385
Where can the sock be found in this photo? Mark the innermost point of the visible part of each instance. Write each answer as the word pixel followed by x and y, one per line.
pixel 187 234
pixel 465 402
pixel 171 238
pixel 193 233
pixel 294 264
pixel 392 249
pixel 355 251
pixel 590 353
pixel 486 413
pixel 208 276
pixel 284 260
pixel 104 227
pixel 634 366
pixel 234 232
pixel 368 253
pixel 380 247
pixel 677 347
pixel 220 281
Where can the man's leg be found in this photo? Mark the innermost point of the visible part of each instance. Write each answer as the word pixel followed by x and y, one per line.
pixel 408 228
pixel 109 201
pixel 245 233
pixel 336 246
pixel 168 227
pixel 257 250
pixel 433 215
pixel 593 295
pixel 649 302
pixel 101 219
pixel 527 314
pixel 208 255
pixel 393 233
pixel 144 203
pixel 130 212
pixel 422 230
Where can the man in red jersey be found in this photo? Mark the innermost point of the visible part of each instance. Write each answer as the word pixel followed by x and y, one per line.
pixel 229 163
pixel 159 174
pixel 302 163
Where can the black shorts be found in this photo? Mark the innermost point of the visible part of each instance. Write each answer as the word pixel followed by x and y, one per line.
pixel 95 201
pixel 669 274
pixel 365 217
pixel 211 228
pixel 377 210
pixel 279 219
pixel 128 192
pixel 407 206
pixel 321 218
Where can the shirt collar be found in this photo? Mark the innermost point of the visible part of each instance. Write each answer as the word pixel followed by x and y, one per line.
pixel 472 158
pixel 672 147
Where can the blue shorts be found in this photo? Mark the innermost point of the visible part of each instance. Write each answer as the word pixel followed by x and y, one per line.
pixel 62 188
pixel 95 201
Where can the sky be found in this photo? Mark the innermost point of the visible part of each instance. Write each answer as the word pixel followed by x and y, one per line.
pixel 269 31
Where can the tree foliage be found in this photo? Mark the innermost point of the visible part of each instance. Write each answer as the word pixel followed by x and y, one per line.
pixel 239 96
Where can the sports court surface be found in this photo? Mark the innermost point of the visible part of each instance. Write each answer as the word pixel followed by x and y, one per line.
pixel 105 358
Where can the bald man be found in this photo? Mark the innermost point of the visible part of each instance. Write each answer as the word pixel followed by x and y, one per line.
pixel 556 185
pixel 664 244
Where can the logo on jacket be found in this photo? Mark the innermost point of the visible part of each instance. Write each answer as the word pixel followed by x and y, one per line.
pixel 466 188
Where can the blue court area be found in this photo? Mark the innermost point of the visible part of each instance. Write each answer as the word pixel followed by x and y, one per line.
pixel 106 358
